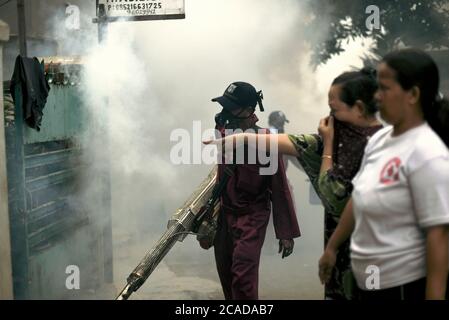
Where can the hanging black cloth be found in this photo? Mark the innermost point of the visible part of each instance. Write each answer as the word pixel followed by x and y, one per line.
pixel 29 74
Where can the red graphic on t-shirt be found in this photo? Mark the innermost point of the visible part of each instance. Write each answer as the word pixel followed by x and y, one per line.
pixel 390 172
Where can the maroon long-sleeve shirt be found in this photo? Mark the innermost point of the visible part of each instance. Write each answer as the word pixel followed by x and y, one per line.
pixel 248 191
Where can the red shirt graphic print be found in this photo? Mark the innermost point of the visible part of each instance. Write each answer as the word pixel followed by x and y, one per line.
pixel 390 171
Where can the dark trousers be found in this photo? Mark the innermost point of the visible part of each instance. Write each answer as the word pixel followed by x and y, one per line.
pixel 415 290
pixel 237 248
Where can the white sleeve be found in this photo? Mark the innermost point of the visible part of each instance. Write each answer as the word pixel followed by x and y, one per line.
pixel 430 190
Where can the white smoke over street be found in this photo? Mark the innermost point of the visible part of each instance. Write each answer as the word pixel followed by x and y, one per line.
pixel 153 77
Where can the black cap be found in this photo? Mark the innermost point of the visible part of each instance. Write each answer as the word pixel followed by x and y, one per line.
pixel 239 95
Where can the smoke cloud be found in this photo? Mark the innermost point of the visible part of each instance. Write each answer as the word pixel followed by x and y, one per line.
pixel 153 77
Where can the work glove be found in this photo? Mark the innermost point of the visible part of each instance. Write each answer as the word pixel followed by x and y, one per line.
pixel 286 247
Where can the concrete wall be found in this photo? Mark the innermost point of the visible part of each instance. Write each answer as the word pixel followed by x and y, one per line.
pixel 5 245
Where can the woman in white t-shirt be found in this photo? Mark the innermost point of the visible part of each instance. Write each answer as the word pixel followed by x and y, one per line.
pixel 399 210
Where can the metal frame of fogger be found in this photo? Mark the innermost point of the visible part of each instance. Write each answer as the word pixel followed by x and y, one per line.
pixel 185 221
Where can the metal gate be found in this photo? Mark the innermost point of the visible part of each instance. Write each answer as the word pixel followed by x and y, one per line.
pixel 50 228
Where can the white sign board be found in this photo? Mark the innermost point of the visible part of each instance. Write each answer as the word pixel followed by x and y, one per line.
pixel 143 9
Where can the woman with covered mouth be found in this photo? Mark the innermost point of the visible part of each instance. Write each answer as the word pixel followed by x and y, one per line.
pixel 332 158
pixel 398 214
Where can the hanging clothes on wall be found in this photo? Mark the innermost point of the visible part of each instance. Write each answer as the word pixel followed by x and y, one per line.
pixel 29 75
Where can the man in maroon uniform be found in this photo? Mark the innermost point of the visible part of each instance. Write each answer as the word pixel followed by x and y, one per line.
pixel 246 203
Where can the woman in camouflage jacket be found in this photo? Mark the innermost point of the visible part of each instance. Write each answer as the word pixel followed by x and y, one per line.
pixel 332 158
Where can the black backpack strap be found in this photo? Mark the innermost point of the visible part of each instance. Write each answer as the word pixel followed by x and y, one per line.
pixel 216 193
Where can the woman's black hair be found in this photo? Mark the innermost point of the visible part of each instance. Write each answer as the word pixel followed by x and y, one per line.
pixel 414 67
pixel 359 85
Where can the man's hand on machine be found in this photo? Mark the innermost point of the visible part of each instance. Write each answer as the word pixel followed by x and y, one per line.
pixel 286 247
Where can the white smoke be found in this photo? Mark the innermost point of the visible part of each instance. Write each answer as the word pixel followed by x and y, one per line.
pixel 152 77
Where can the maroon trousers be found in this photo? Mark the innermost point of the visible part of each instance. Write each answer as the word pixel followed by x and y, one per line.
pixel 237 248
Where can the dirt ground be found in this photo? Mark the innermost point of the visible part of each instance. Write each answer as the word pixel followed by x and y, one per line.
pixel 189 272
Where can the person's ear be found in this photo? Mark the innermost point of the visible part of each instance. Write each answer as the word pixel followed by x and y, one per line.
pixel 415 95
pixel 360 107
